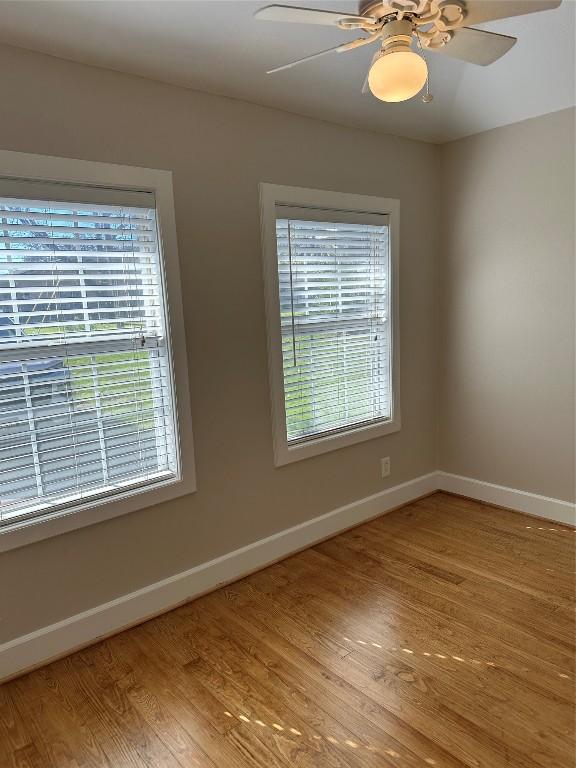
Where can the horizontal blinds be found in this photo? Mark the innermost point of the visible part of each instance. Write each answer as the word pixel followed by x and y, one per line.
pixel 71 273
pixel 85 386
pixel 334 306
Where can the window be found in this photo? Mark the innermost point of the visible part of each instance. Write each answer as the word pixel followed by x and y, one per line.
pixel 331 286
pixel 87 397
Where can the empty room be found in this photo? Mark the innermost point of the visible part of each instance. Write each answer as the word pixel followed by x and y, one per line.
pixel 287 384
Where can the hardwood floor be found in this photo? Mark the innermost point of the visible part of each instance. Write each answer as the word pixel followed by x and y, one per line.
pixel 439 635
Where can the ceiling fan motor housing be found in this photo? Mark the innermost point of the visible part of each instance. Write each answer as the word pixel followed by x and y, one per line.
pixel 397 36
pixel 434 20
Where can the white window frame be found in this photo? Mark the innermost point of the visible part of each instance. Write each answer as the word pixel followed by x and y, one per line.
pixel 272 195
pixel 42 168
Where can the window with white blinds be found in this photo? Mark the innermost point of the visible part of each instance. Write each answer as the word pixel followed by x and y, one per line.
pixel 334 307
pixel 331 345
pixel 86 400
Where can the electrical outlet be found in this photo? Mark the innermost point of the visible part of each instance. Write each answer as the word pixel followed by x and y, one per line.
pixel 385 466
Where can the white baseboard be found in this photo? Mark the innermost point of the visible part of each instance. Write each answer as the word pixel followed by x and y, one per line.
pixel 57 640
pixel 521 501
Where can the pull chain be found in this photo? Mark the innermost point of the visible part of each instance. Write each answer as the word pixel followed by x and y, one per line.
pixel 427 97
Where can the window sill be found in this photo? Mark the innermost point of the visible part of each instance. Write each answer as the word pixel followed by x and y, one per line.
pixel 285 454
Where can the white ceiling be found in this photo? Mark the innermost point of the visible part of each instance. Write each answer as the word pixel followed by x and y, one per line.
pixel 217 46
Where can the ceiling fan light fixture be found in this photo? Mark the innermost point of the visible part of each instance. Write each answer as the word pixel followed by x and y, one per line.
pixel 397 74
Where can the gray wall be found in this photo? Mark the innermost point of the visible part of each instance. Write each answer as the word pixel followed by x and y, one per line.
pixel 219 149
pixel 507 307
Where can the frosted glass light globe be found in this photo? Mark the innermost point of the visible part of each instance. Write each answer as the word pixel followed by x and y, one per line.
pixel 397 75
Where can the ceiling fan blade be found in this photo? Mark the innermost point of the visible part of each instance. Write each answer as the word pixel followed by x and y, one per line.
pixel 302 61
pixel 476 46
pixel 358 43
pixel 291 13
pixel 479 11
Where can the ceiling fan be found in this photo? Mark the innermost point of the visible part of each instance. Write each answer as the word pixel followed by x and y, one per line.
pixel 398 73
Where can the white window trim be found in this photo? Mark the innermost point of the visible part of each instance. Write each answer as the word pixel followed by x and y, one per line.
pixel 270 196
pixel 65 170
